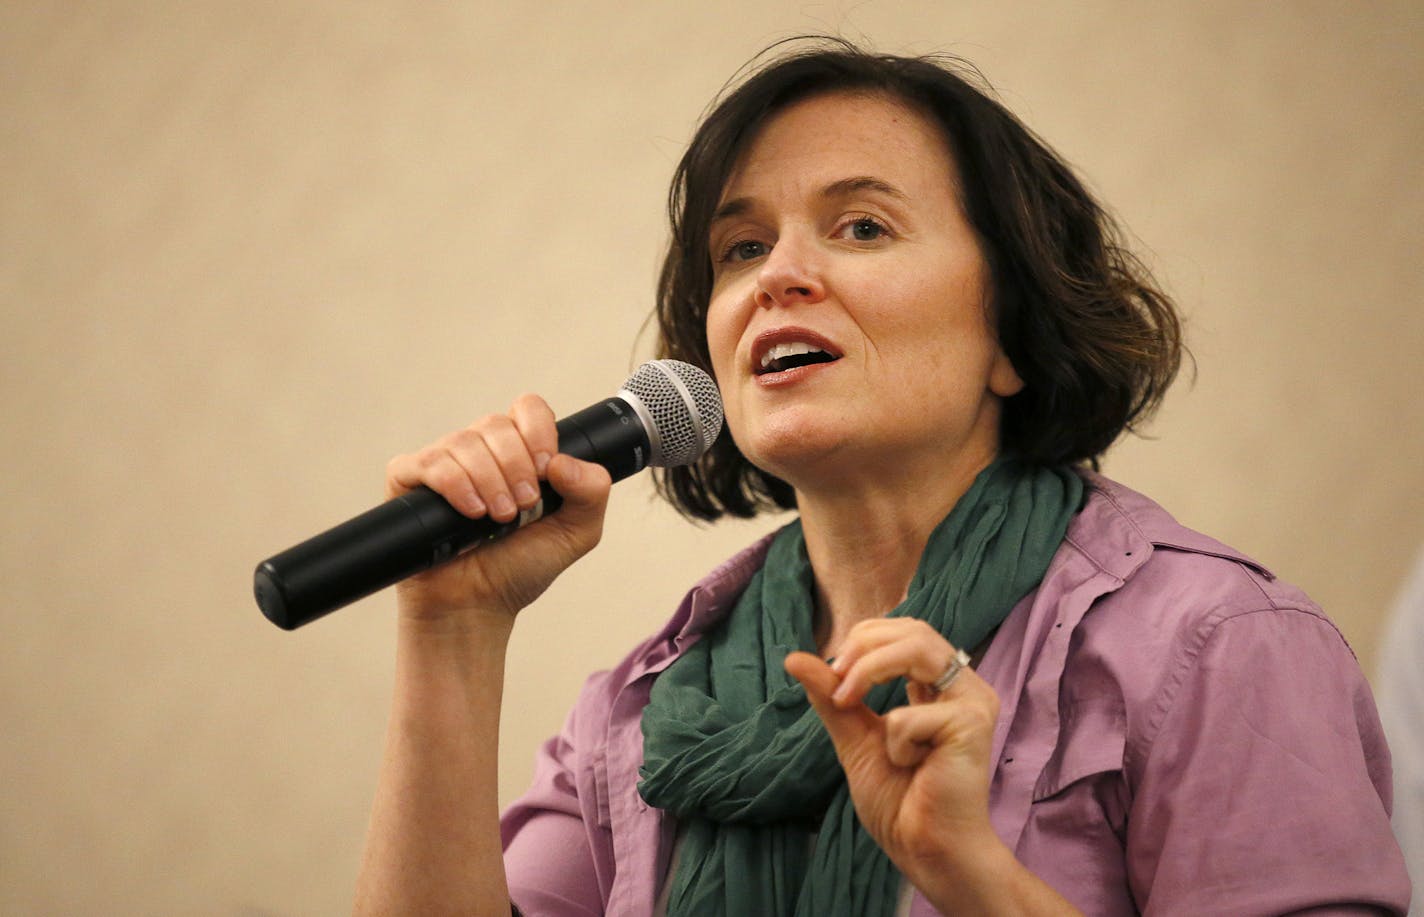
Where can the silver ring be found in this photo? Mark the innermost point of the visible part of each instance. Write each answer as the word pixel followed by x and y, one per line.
pixel 959 663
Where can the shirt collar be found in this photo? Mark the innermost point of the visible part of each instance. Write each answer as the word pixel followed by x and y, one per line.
pixel 1119 530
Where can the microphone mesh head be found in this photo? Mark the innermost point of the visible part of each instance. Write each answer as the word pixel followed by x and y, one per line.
pixel 684 406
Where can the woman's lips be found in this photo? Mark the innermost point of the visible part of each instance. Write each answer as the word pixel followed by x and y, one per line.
pixel 791 354
pixel 788 351
pixel 793 375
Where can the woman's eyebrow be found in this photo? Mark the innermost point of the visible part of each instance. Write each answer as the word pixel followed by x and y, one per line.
pixel 859 183
pixel 735 207
pixel 845 187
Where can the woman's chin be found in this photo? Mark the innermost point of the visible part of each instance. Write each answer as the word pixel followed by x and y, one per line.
pixel 793 453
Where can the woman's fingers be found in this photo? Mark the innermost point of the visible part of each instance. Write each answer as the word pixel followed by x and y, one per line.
pixel 918 767
pixel 911 733
pixel 534 420
pixel 904 736
pixel 884 649
pixel 437 468
pixel 512 484
pixel 848 727
pixel 492 466
pixel 815 676
pixel 875 632
pixel 584 487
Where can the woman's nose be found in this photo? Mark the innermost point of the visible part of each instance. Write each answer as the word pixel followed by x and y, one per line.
pixel 790 274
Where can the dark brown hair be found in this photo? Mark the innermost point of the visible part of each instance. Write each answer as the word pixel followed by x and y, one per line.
pixel 1095 342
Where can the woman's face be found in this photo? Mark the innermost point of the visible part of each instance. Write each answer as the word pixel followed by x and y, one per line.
pixel 841 232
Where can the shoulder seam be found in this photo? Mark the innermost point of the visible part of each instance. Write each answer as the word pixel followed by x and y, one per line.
pixel 1137 752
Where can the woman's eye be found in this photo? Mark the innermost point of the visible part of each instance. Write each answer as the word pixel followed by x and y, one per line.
pixel 865 229
pixel 745 250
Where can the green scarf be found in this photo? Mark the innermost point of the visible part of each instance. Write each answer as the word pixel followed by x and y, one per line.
pixel 732 748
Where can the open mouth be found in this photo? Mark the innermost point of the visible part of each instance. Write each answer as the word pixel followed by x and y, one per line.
pixel 790 355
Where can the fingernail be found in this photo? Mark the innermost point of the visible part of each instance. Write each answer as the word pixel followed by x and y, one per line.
pixel 541 463
pixel 503 506
pixel 475 505
pixel 841 692
pixel 526 492
pixel 838 664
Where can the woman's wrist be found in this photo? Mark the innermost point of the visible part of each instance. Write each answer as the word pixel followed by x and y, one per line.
pixel 428 613
pixel 458 625
pixel 980 875
pixel 445 663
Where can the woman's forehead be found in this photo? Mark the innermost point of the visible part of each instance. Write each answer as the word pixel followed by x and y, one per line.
pixel 827 141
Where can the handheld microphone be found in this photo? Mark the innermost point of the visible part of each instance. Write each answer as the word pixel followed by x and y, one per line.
pixel 667 414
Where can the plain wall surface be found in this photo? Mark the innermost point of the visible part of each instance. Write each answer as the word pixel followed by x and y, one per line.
pixel 249 251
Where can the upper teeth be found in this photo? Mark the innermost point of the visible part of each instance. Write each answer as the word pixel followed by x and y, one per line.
pixel 789 349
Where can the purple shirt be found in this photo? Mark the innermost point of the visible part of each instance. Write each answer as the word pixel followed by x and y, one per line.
pixel 1180 733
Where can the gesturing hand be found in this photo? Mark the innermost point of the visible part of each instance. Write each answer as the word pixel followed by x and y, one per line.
pixel 918 775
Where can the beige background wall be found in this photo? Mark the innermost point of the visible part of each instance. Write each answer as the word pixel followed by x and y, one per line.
pixel 249 250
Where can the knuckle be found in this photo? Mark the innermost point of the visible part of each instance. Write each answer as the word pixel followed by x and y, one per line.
pixel 982 716
pixel 489 424
pixel 464 441
pixel 859 633
pixel 531 403
pixel 443 478
pixel 428 457
pixel 921 630
pixel 449 476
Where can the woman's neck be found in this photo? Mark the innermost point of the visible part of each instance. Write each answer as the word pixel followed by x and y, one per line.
pixel 865 542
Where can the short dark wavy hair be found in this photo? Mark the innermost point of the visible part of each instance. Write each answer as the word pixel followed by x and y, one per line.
pixel 1079 316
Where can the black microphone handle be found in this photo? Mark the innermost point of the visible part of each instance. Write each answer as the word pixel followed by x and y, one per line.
pixel 419 530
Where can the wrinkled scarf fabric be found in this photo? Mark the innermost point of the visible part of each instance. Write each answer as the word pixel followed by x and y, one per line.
pixel 734 751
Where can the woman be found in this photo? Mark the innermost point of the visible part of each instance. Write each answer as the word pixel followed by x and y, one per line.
pixel 922 331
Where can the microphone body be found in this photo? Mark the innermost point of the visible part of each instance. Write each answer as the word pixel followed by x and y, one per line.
pixel 419 530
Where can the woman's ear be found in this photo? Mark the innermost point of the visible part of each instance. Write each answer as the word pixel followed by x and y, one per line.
pixel 1004 380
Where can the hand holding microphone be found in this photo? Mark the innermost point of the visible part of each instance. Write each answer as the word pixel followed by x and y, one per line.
pixel 499 474
pixel 479 485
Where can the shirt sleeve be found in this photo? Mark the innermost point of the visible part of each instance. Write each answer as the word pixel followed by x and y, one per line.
pixel 1263 786
pixel 1400 681
pixel 549 858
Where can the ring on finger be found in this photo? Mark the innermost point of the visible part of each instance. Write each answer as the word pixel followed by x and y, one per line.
pixel 957 664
